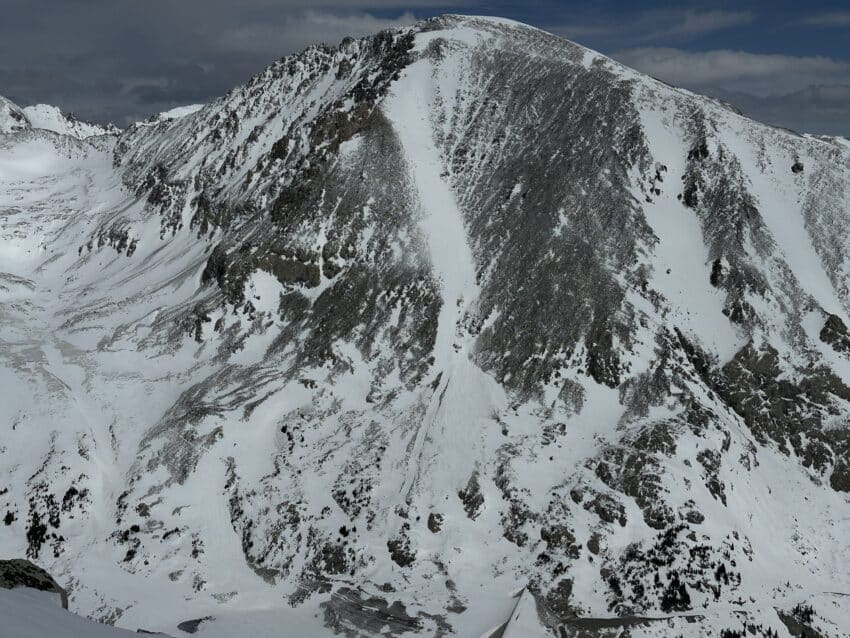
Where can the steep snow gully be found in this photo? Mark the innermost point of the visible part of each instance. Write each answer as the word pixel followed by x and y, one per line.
pixel 462 393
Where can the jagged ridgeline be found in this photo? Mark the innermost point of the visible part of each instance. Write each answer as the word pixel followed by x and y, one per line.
pixel 453 328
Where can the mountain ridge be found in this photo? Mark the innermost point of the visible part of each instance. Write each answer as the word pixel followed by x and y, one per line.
pixel 399 327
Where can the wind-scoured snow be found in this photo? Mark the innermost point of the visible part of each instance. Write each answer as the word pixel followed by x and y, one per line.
pixel 29 613
pixel 180 111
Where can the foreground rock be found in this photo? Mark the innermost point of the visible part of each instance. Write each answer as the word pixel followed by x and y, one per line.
pixel 22 573
pixel 33 605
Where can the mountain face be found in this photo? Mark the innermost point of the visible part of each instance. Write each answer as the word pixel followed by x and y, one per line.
pixel 50 118
pixel 459 329
pixel 14 119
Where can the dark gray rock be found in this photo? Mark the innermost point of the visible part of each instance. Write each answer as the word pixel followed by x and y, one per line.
pixel 23 573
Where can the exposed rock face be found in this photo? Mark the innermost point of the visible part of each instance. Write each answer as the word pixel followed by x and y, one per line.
pixel 402 326
pixel 834 332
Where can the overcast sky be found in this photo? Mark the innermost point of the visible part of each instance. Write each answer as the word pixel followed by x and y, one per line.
pixel 783 62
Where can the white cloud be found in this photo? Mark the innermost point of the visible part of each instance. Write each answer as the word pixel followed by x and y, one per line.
pixel 651 26
pixel 832 19
pixel 753 73
pixel 693 23
pixel 805 93
pixel 815 109
pixel 306 28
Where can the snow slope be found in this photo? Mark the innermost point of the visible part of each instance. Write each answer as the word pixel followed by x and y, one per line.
pixel 50 118
pixel 458 329
pixel 29 613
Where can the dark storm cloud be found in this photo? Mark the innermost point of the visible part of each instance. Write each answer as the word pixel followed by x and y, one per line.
pixel 123 60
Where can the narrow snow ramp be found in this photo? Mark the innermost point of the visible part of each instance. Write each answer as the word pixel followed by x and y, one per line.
pixel 464 396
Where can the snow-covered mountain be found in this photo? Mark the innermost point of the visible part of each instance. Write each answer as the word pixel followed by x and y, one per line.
pixel 458 329
pixel 12 118
pixel 50 118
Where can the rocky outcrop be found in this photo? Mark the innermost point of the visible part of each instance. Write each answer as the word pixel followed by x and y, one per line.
pixel 12 118
pixel 23 573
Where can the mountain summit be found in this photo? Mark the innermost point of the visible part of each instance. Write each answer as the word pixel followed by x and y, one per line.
pixel 457 329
